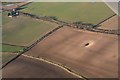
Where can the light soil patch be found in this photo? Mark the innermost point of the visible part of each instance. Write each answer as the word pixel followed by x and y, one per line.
pixel 67 46
pixel 111 23
pixel 24 67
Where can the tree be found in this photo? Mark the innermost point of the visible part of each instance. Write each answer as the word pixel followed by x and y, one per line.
pixel 78 22
pixel 89 25
pixel 53 17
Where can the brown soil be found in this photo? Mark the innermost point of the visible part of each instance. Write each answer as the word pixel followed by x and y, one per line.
pixel 24 67
pixel 112 23
pixel 91 54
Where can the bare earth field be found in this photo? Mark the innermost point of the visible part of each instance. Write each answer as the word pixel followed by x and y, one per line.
pixel 91 54
pixel 24 67
pixel 111 23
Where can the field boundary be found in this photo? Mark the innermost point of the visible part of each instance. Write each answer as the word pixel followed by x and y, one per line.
pixel 81 26
pixel 11 54
pixel 25 49
pixel 45 60
pixel 105 20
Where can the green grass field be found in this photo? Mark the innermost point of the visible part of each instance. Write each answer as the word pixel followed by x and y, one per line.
pixel 23 30
pixel 5 18
pixel 83 11
pixel 8 48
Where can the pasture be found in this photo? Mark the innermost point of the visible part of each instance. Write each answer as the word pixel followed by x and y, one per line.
pixel 71 12
pixel 8 48
pixel 23 30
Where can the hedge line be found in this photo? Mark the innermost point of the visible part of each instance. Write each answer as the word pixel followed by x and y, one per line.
pixel 80 26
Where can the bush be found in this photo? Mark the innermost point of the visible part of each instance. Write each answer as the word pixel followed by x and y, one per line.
pixel 53 17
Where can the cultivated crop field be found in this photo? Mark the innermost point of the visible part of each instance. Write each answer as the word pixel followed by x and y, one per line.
pixel 71 12
pixel 111 23
pixel 91 54
pixel 23 30
pixel 24 67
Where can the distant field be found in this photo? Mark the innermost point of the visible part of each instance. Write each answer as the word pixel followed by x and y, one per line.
pixel 86 12
pixel 23 30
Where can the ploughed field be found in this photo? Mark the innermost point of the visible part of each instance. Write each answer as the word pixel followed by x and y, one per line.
pixel 91 54
pixel 87 12
pixel 111 23
pixel 24 67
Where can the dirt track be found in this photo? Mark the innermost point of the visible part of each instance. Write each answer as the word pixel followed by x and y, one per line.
pixel 67 46
pixel 24 67
pixel 112 23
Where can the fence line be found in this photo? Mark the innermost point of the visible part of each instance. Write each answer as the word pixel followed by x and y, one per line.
pixel 25 49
